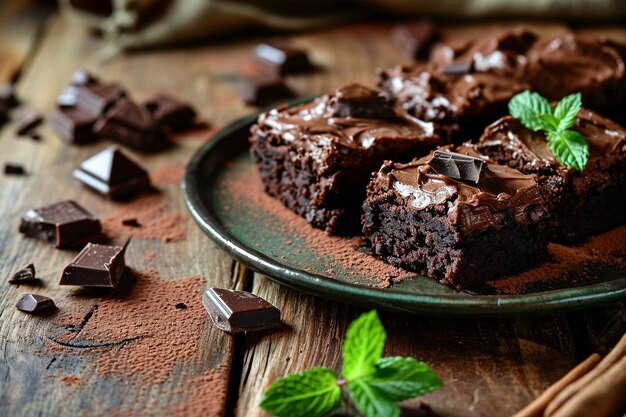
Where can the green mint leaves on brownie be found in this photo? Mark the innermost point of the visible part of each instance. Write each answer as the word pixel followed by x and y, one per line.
pixel 536 113
pixel 374 383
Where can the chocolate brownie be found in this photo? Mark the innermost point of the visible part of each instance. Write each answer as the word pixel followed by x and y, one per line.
pixel 467 83
pixel 582 202
pixel 317 158
pixel 456 217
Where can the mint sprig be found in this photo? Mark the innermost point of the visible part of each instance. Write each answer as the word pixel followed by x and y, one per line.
pixel 374 383
pixel 535 112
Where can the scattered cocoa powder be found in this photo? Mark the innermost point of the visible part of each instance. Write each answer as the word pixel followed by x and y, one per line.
pixel 150 211
pixel 205 395
pixel 149 256
pixel 70 380
pixel 167 175
pixel 135 331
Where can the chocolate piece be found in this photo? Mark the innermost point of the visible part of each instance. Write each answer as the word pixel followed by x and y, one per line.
pixel 355 100
pixel 261 91
pixel 13 169
pixel 96 99
pixel 239 311
pixel 171 113
pixel 457 166
pixel 73 125
pixel 24 275
pixel 132 125
pixel 61 224
pixel 113 174
pixel 28 118
pixel 33 303
pixel 282 59
pixel 181 306
pixel 416 39
pixel 131 222
pixel 81 78
pixel 67 98
pixel 459 68
pixel 95 266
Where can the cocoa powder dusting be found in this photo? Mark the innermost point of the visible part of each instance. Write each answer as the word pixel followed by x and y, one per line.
pixel 167 175
pixel 150 212
pixel 70 380
pixel 205 395
pixel 135 332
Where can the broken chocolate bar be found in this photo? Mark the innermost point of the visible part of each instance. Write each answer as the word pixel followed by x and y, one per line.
pixel 73 125
pixel 33 303
pixel 62 224
pixel 416 39
pixel 457 166
pixel 281 59
pixel 96 99
pixel 171 113
pixel 96 266
pixel 239 311
pixel 260 91
pixel 112 173
pixel 24 275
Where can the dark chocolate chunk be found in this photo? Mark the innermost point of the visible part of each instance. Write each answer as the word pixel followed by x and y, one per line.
pixel 96 99
pixel 130 124
pixel 33 303
pixel 180 306
pixel 458 68
pixel 133 222
pixel 457 166
pixel 112 173
pixel 62 224
pixel 239 311
pixel 73 125
pixel 261 91
pixel 67 98
pixel 355 100
pixel 416 39
pixel 95 266
pixel 281 59
pixel 171 113
pixel 81 77
pixel 24 275
pixel 14 169
pixel 28 118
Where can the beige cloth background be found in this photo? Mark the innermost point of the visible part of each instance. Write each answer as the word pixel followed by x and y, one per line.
pixel 133 24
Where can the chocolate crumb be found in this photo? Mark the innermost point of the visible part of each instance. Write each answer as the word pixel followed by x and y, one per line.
pixel 24 275
pixel 14 169
pixel 181 305
pixel 131 222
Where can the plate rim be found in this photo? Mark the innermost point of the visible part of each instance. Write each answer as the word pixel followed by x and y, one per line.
pixel 433 305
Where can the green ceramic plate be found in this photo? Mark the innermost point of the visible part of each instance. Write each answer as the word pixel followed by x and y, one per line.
pixel 222 191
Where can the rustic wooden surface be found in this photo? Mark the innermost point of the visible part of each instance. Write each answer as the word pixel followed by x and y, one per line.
pixel 490 367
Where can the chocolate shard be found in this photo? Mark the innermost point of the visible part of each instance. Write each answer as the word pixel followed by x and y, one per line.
pixel 239 311
pixel 457 166
pixel 355 100
pixel 96 99
pixel 260 91
pixel 171 113
pixel 62 224
pixel 281 59
pixel 112 173
pixel 81 77
pixel 24 275
pixel 96 266
pixel 130 124
pixel 416 39
pixel 73 125
pixel 34 303
pixel 28 118
pixel 13 169
pixel 458 68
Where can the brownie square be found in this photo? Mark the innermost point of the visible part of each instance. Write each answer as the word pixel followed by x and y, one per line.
pixel 450 227
pixel 584 202
pixel 317 158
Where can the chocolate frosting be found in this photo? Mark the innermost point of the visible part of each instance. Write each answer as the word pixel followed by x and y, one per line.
pixel 474 206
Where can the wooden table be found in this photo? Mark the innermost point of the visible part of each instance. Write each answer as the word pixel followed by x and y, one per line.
pixel 490 367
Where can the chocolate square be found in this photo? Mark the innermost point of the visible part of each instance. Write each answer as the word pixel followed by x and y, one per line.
pixel 34 303
pixel 239 311
pixel 95 266
pixel 171 113
pixel 73 125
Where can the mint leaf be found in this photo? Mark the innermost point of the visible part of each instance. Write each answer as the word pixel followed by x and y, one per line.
pixel 363 347
pixel 403 378
pixel 530 108
pixel 567 110
pixel 371 401
pixel 312 393
pixel 570 148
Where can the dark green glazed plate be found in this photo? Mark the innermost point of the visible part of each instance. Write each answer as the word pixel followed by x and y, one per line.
pixel 223 193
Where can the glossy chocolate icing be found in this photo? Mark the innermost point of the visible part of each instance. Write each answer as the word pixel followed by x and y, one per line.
pixel 474 206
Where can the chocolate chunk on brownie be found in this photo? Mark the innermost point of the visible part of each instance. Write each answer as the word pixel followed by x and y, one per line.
pixel 582 202
pixel 317 158
pixel 467 84
pixel 432 216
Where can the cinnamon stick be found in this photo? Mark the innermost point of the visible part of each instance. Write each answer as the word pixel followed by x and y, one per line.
pixel 618 352
pixel 537 407
pixel 604 397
